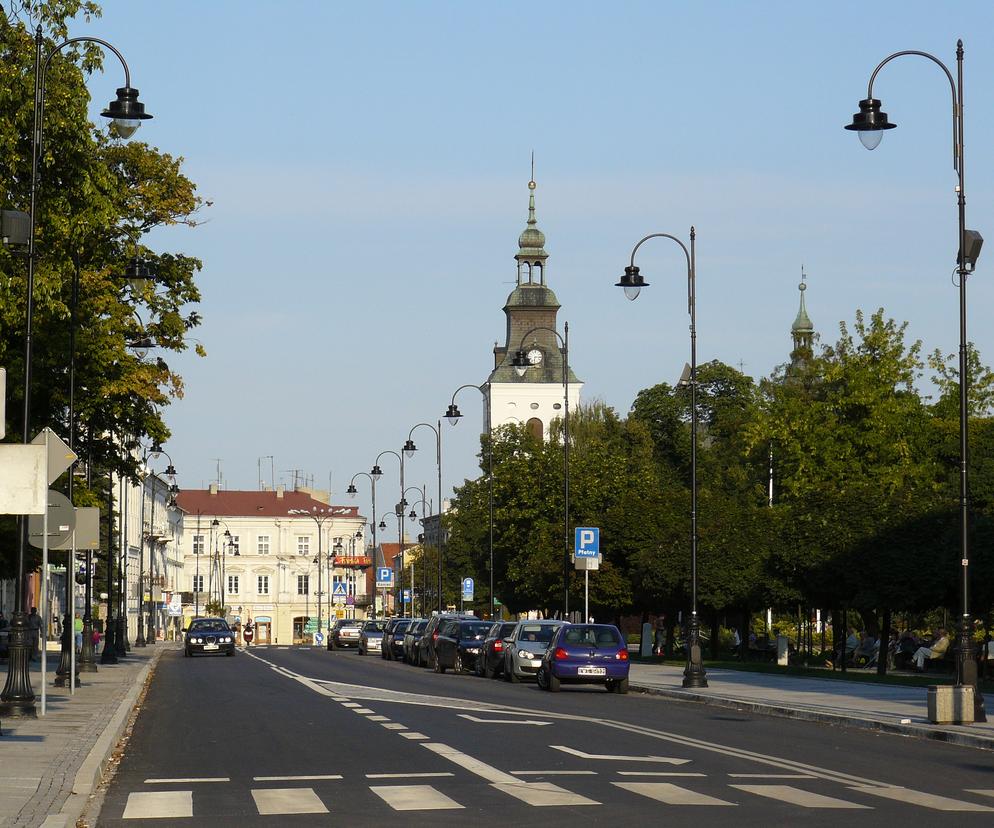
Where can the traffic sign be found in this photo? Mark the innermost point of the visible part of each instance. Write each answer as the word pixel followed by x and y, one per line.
pixel 60 456
pixel 587 543
pixel 340 592
pixel 61 522
pixel 87 530
pixel 406 596
pixel 384 577
pixel 467 589
pixel 318 638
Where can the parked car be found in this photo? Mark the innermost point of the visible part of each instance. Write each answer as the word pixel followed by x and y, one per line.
pixel 426 645
pixel 458 644
pixel 411 638
pixel 524 648
pixel 346 634
pixel 490 662
pixel 371 637
pixel 585 654
pixel 210 636
pixel 393 638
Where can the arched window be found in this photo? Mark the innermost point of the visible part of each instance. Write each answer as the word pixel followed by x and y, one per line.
pixel 541 273
pixel 524 273
pixel 535 428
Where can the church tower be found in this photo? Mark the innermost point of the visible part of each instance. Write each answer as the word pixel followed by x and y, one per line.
pixel 536 397
pixel 802 331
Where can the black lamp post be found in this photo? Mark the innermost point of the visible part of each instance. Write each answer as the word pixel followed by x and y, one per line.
pixel 377 472
pixel 374 474
pixel 869 124
pixel 18 698
pixel 320 516
pixel 522 362
pixel 632 282
pixel 409 449
pixel 453 415
pixel 147 635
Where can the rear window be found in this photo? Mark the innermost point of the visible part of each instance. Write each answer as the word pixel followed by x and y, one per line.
pixel 592 636
pixel 401 626
pixel 473 629
pixel 536 632
pixel 375 626
pixel 421 626
pixel 506 630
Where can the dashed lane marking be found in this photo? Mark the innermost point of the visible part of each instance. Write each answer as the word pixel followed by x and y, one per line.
pixel 187 780
pixel 159 805
pixel 271 801
pixel 413 734
pixel 670 794
pixel 296 778
pixel 799 796
pixel 554 773
pixel 414 798
pixel 408 775
pixel 771 776
pixel 363 710
pixel 926 800
pixel 377 718
pixel 393 726
pixel 660 773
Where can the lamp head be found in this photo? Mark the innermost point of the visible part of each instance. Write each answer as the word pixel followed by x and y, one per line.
pixel 452 414
pixel 383 524
pixel 409 448
pixel 351 491
pixel 632 282
pixel 413 515
pixel 156 449
pixel 137 274
pixel 170 470
pixel 174 489
pixel 126 112
pixel 870 123
pixel 974 241
pixel 215 522
pixel 376 472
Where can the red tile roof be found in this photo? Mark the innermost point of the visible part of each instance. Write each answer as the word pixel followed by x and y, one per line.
pixel 254 503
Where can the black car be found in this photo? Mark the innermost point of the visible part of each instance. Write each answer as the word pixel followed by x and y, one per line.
pixel 210 636
pixel 393 638
pixel 490 662
pixel 458 644
pixel 411 639
pixel 426 646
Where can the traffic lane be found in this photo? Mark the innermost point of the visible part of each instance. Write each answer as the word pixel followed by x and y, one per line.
pixel 865 754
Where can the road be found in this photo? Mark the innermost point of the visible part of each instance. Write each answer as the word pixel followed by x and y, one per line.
pixel 310 737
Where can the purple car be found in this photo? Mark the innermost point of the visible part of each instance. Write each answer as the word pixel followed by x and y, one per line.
pixel 585 654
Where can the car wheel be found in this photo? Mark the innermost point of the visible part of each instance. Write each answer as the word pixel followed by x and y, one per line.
pixel 554 683
pixel 541 680
pixel 186 652
pixel 621 686
pixel 509 674
pixel 457 665
pixel 230 653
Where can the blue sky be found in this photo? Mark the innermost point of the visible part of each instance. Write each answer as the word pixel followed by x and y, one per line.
pixel 368 162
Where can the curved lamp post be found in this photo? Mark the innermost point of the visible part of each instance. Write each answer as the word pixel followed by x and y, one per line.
pixel 351 491
pixel 378 472
pixel 632 282
pixel 413 515
pixel 869 124
pixel 147 635
pixel 219 558
pixel 403 552
pixel 453 415
pixel 409 449
pixel 18 698
pixel 320 515
pixel 522 362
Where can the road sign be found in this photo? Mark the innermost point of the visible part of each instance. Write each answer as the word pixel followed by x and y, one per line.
pixel 61 522
pixel 23 479
pixel 339 593
pixel 467 589
pixel 587 542
pixel 87 530
pixel 60 456
pixel 318 638
pixel 350 601
pixel 406 596
pixel 384 577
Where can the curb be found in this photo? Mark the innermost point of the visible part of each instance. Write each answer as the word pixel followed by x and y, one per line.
pixel 916 731
pixel 91 772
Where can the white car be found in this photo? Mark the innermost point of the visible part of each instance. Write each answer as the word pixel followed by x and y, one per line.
pixel 524 648
pixel 371 637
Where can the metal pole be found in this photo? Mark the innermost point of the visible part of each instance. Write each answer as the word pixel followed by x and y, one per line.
pixel 46 620
pixel 320 617
pixel 107 655
pixel 150 628
pixel 140 638
pixel 490 474
pixel 441 531
pixel 566 538
pixel 372 597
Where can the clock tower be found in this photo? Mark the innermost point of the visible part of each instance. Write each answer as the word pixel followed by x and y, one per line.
pixel 535 398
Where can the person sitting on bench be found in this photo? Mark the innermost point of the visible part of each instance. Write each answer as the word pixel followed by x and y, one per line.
pixel 937 650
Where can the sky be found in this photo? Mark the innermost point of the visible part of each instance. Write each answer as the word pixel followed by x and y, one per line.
pixel 367 165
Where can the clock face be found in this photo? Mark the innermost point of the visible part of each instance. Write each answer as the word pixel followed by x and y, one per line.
pixel 534 356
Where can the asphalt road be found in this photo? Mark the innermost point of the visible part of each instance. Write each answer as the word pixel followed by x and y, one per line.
pixel 310 737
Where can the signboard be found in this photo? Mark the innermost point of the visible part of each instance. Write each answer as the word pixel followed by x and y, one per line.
pixel 87 530
pixel 311 626
pixel 467 589
pixel 339 593
pixel 319 638
pixel 175 606
pixel 339 613
pixel 587 542
pixel 384 577
pixel 406 596
pixel 350 601
pixel 23 479
pixel 61 522
pixel 352 560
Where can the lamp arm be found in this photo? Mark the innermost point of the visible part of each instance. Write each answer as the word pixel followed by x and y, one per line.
pixel 553 331
pixel 468 385
pixel 690 263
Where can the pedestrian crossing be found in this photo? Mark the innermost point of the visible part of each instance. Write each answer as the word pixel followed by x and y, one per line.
pixel 272 801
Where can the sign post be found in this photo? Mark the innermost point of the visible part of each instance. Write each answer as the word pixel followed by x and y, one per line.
pixel 586 556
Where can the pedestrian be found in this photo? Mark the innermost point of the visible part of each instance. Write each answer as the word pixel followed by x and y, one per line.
pixel 34 630
pixel 659 637
pixel 937 650
pixel 77 625
pixel 96 640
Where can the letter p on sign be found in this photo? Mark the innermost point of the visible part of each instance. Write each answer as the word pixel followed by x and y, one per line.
pixel 587 542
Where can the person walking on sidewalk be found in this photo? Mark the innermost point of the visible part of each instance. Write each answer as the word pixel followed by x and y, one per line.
pixel 937 650
pixel 34 630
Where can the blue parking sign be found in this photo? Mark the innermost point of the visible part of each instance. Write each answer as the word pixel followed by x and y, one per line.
pixel 384 576
pixel 587 542
pixel 467 589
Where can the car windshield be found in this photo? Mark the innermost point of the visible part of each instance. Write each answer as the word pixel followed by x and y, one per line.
pixel 374 626
pixel 588 635
pixel 505 630
pixel 210 625
pixel 473 629
pixel 541 633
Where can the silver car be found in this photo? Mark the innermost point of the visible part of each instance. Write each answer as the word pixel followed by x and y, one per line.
pixel 524 648
pixel 371 637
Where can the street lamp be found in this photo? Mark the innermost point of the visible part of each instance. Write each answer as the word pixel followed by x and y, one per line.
pixel 869 123
pixel 146 636
pixel 409 449
pixel 453 415
pixel 522 362
pixel 320 515
pixel 694 674
pixel 18 697
pixel 373 475
pixel 377 473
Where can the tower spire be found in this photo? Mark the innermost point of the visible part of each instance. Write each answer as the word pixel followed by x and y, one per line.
pixel 802 331
pixel 531 253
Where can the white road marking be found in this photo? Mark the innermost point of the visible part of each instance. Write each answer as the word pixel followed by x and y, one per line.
pixel 463 760
pixel 981 791
pixel 670 794
pixel 271 801
pixel 925 800
pixel 362 710
pixel 351 704
pixel 414 798
pixel 413 735
pixel 377 718
pixel 296 778
pixel 543 794
pixel 554 773
pixel 771 776
pixel 393 726
pixel 798 796
pixel 659 773
pixel 340 698
pixel 408 775
pixel 181 780
pixel 473 718
pixel 666 760
pixel 159 805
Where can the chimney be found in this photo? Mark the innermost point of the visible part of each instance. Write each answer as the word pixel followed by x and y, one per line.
pixel 279 492
pixel 213 489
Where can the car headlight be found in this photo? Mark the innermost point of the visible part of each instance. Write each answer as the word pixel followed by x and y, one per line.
pixel 226 640
pixel 196 640
pixel 525 654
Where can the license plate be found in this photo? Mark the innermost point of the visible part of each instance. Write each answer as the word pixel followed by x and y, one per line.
pixel 210 646
pixel 590 671
pixel 535 662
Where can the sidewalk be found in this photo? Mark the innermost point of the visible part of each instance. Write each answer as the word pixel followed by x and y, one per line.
pixel 49 766
pixel 884 707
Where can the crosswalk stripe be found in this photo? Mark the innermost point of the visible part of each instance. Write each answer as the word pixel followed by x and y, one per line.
pixel 271 801
pixel 541 794
pixel 670 794
pixel 925 800
pixel 393 726
pixel 414 798
pixel 413 734
pixel 798 796
pixel 159 805
pixel 377 718
pixel 981 791
pixel 363 710
pixel 186 780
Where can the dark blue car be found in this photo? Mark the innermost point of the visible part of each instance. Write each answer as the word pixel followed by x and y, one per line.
pixel 585 654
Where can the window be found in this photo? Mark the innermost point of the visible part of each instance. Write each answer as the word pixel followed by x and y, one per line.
pixel 535 428
pixel 262 545
pixel 233 548
pixel 198 583
pixel 198 544
pixel 303 583
pixel 303 544
pixel 263 585
pixel 232 585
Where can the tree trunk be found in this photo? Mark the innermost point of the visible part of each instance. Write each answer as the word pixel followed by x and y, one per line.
pixel 884 653
pixel 715 631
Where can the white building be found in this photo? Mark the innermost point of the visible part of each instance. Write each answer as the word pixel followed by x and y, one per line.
pixel 269 563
